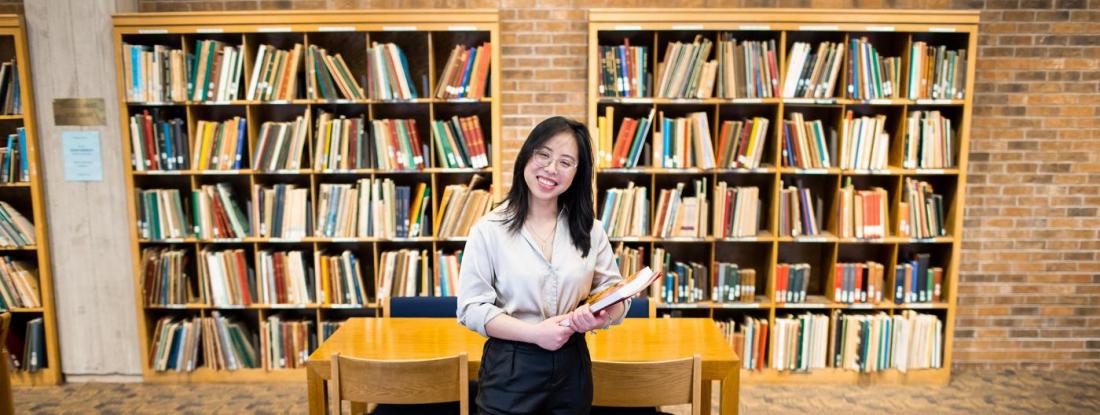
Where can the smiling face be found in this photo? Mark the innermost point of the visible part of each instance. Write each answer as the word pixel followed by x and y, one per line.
pixel 551 168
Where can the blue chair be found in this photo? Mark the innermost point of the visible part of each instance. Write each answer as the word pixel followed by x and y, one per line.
pixel 639 308
pixel 423 307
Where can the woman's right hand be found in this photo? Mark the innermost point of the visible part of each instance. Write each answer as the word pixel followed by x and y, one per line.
pixel 549 335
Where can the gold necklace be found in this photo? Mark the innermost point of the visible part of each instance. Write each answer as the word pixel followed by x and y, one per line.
pixel 545 245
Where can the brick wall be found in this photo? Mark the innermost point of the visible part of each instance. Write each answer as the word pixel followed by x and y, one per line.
pixel 1030 272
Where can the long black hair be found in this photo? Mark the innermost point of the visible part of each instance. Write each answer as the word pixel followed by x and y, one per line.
pixel 576 201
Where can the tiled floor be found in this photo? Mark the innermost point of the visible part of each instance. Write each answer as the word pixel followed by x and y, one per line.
pixel 971 392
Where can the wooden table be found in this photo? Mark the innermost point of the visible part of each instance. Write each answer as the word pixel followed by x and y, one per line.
pixel 637 339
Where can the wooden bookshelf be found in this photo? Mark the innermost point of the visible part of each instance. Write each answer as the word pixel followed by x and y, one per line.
pixel 426 36
pixel 27 198
pixel 891 30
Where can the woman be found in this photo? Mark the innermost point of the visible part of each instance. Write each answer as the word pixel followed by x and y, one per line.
pixel 527 267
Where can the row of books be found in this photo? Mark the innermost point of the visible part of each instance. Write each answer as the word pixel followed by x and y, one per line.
pixel 683 282
pixel 156 73
pixel 220 144
pixel 860 283
pixel 799 212
pixel 917 281
pixel 628 142
pixel 466 73
pixel 858 342
pixel 870 75
pixel 14 165
pixel 791 282
pixel 27 350
pixel 374 208
pixel 281 144
pixel 685 71
pixel 460 143
pixel 343 143
pixel 217 213
pixel 15 229
pixel 275 74
pixel 736 211
pixel 340 279
pixel 679 215
pixel 286 344
pixel 929 141
pixel 461 206
pixel 683 142
pixel 225 344
pixel 921 212
pixel 329 78
pixel 625 212
pixel 936 72
pixel 741 143
pixel 748 69
pixel 731 283
pixel 804 143
pixel 624 71
pixel 389 76
pixel 410 273
pixel 281 211
pixel 813 73
pixel 18 284
pixel 157 144
pixel 632 259
pixel 218 70
pixel 165 277
pixel 862 213
pixel 11 98
pixel 864 143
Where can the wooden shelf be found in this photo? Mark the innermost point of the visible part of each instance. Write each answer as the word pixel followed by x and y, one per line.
pixel 431 31
pixel 13 40
pixel 654 28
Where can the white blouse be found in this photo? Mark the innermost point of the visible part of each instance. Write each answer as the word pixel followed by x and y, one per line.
pixel 502 272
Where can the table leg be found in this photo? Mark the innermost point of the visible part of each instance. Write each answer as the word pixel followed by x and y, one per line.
pixel 358 408
pixel 704 406
pixel 316 392
pixel 731 387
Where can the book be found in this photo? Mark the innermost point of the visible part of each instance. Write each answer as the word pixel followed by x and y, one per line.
pixel 444 275
pixel 731 283
pixel 397 144
pixel 343 143
pixel 389 75
pixel 328 76
pixel 870 75
pixel 805 144
pixel 936 72
pixel 813 73
pixel 862 213
pixel 864 144
pixel 626 288
pixel 799 343
pixel 924 211
pixel 218 215
pixel 747 69
pixel 281 211
pixel 680 215
pixel 219 145
pixel 285 277
pixel 161 214
pixel 11 98
pixel 328 328
pixel 858 283
pixel 736 211
pixel 158 144
pixel 874 343
pixel 275 73
pixel 373 208
pixel 791 282
pixel 216 74
pixel 286 344
pixel 280 145
pixel 19 287
pixel 741 143
pixel 459 143
pixel 683 142
pixel 630 140
pixel 686 71
pixel 339 279
pixel 405 273
pixel 13 158
pixel 165 277
pixel 225 344
pixel 625 212
pixel 917 281
pixel 461 206
pixel 226 278
pixel 798 212
pixel 624 71
pixel 465 73
pixel 682 283
pixel 156 73
pixel 631 260
pixel 929 141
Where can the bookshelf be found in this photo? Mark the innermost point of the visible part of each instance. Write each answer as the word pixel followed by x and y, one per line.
pixel 426 38
pixel 26 197
pixel 892 33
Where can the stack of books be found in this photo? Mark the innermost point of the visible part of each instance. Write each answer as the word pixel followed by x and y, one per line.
pixel 155 73
pixel 861 282
pixel 220 145
pixel 629 141
pixel 686 72
pixel 873 343
pixel 731 284
pixel 800 343
pixel 683 142
pixel 18 285
pixel 630 261
pixel 156 144
pixel 804 143
pixel 736 211
pixel 445 274
pixel 284 277
pixel 281 211
pixel 921 212
pixel 459 143
pixel 625 212
pixel 397 144
pixel 798 212
pixel 225 278
pixel 216 72
pixel 461 206
pixel 917 281
pixel 864 143
pixel 342 143
pixel 791 282
pixel 935 72
pixel 281 145
pixel 404 273
pixel 33 356
pixel 218 214
pixel 286 344
pixel 871 76
pixel 160 215
pixel 164 272
pixel 340 279
pixel 329 78
pixel 741 143
pixel 929 141
pixel 862 213
pixel 678 215
pixel 13 158
pixel 11 99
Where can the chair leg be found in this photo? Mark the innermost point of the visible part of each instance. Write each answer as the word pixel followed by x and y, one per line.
pixel 358 408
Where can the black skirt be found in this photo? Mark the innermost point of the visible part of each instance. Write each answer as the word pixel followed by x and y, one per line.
pixel 523 378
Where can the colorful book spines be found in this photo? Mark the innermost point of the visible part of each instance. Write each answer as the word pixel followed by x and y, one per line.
pixel 460 143
pixel 624 71
pixel 157 144
pixel 466 73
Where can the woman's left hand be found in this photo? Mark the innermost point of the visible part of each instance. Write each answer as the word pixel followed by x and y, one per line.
pixel 582 319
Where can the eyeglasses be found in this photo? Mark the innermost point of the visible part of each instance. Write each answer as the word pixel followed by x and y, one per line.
pixel 543 158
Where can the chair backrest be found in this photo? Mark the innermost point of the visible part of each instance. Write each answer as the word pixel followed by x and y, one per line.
pixel 640 307
pixel 423 307
pixel 638 384
pixel 6 404
pixel 399 381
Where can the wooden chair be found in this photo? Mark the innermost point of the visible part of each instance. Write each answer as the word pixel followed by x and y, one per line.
pixel 648 384
pixel 6 405
pixel 399 381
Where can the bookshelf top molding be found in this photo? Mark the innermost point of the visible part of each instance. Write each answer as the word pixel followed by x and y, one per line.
pixel 11 21
pixel 875 16
pixel 306 19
